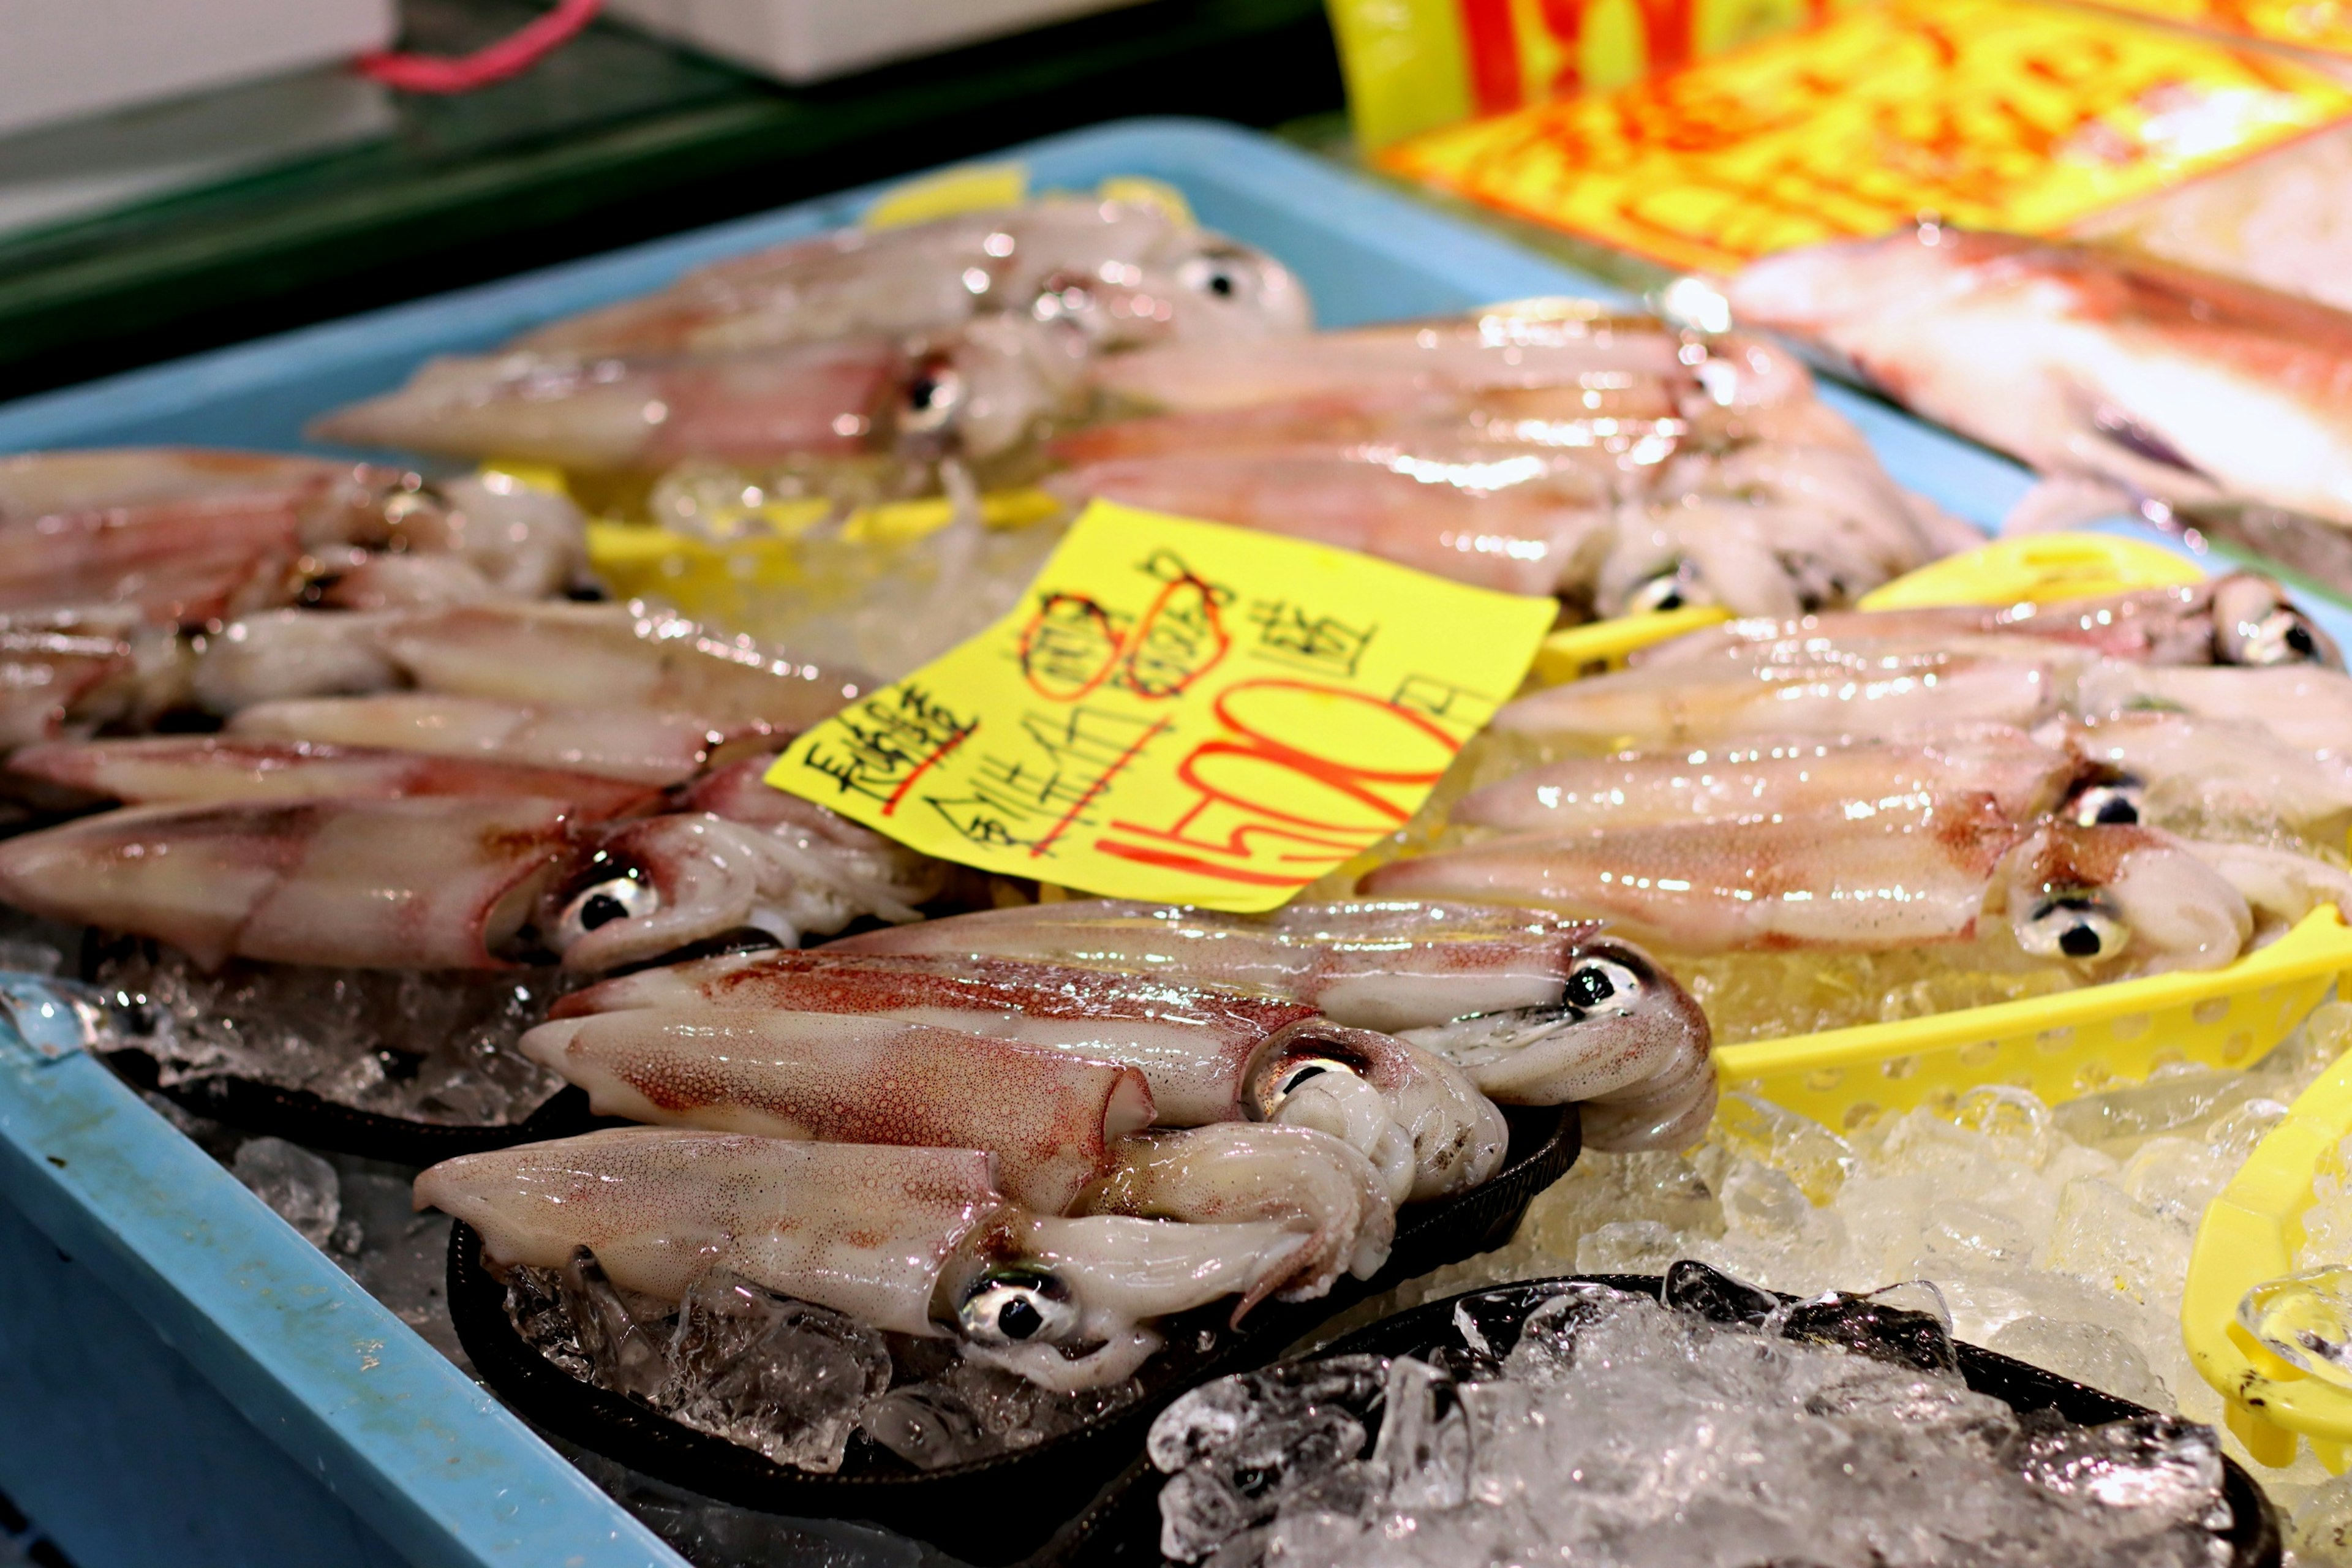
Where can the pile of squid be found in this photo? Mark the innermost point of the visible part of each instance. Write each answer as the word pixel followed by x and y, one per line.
pixel 2151 781
pixel 408 753
pixel 1544 447
pixel 1038 1130
pixel 859 364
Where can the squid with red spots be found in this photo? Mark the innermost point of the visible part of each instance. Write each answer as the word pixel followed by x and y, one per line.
pixel 914 1241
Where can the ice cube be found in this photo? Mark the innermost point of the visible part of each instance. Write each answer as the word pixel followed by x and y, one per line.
pixel 1423 1449
pixel 2305 1320
pixel 1246 1480
pixel 2320 1535
pixel 928 1425
pixel 1811 1156
pixel 2103 1237
pixel 2087 1352
pixel 623 1336
pixel 785 1377
pixel 299 1185
pixel 2160 1466
pixel 1630 1247
pixel 2143 1109
pixel 1710 1293
pixel 1207 1420
pixel 1970 1233
pixel 1905 1325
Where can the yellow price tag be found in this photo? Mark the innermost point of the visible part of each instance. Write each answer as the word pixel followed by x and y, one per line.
pixel 1179 710
pixel 1990 113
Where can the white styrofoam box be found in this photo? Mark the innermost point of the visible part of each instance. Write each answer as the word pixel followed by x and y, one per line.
pixel 809 40
pixel 63 59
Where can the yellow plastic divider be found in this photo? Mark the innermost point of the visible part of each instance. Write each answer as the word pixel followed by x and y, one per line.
pixel 702 576
pixel 2076 1042
pixel 2249 1235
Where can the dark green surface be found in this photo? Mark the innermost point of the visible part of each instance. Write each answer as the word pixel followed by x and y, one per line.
pixel 614 139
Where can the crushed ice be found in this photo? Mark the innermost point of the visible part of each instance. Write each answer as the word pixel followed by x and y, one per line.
pixel 792 1380
pixel 427 1046
pixel 1723 1429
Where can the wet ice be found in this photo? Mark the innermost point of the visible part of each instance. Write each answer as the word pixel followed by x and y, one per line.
pixel 1618 1430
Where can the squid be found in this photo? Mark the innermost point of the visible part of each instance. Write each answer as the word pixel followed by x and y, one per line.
pixel 2106 894
pixel 1123 273
pixel 1518 522
pixel 458 881
pixel 1538 343
pixel 912 1241
pixel 1210 1054
pixel 2305 706
pixel 623 744
pixel 614 658
pixel 1533 1009
pixel 65 672
pixel 2237 620
pixel 1656 708
pixel 1065 1127
pixel 209 769
pixel 195 538
pixel 1768 778
pixel 2162 763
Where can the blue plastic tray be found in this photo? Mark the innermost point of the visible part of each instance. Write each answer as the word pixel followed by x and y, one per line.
pixel 182 1378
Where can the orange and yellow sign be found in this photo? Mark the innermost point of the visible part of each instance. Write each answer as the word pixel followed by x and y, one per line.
pixel 1179 710
pixel 2324 25
pixel 1987 114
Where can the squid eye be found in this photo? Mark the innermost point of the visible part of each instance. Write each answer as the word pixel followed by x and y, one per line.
pixel 932 397
pixel 2079 925
pixel 1595 983
pixel 1671 589
pixel 1219 277
pixel 600 904
pixel 1267 1096
pixel 1014 1306
pixel 2282 637
pixel 2122 802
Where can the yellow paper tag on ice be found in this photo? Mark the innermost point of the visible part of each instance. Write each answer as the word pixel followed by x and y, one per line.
pixel 1179 710
pixel 1988 113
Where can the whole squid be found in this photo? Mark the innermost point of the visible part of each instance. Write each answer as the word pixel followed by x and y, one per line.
pixel 912 1241
pixel 2237 620
pixel 1769 778
pixel 1064 1127
pixel 1210 1054
pixel 458 881
pixel 1534 1009
pixel 619 658
pixel 1653 707
pixel 1124 273
pixel 193 538
pixel 2117 895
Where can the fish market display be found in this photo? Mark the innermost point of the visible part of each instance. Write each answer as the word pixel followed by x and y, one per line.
pixel 1605 1426
pixel 956 339
pixel 1533 1009
pixel 2129 378
pixel 1544 449
pixel 908 1240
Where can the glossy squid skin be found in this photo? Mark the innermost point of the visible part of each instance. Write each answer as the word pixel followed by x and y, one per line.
pixel 1651 708
pixel 630 746
pixel 189 769
pixel 2165 382
pixel 1210 1056
pixel 914 1241
pixel 1049 1117
pixel 66 672
pixel 1770 777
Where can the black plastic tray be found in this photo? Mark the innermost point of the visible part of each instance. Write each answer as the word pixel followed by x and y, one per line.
pixel 999 1509
pixel 1122 1530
